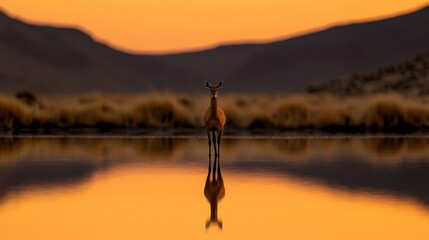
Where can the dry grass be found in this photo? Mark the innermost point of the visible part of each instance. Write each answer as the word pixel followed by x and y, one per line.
pixel 386 112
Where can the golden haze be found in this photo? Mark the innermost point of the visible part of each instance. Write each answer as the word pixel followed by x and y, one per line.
pixel 171 25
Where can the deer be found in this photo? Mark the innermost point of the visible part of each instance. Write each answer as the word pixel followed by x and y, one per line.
pixel 214 119
pixel 214 191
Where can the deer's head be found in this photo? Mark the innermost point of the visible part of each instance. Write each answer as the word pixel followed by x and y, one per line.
pixel 214 89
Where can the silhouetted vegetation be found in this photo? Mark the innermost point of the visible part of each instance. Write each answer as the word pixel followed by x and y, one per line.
pixel 375 113
pixel 410 78
pixel 26 97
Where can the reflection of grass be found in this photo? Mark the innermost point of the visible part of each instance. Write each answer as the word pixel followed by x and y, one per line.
pixel 106 151
pixel 96 150
pixel 163 111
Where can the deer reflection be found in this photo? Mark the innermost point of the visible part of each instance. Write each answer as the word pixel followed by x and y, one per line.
pixel 214 191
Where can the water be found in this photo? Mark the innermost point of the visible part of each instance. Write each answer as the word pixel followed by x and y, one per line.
pixel 155 188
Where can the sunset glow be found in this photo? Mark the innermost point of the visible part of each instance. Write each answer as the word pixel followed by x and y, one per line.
pixel 171 25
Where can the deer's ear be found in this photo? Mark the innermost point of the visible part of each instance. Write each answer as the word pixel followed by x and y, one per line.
pixel 219 84
pixel 208 85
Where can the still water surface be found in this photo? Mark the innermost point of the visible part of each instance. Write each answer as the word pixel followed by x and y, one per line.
pixel 157 188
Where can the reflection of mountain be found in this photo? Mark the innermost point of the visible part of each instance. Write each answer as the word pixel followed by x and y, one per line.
pixel 406 179
pixel 396 166
pixel 46 59
pixel 32 163
pixel 24 175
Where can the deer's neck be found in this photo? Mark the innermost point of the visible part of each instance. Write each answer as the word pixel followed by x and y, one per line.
pixel 213 106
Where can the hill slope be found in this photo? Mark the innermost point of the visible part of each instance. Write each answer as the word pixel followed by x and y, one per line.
pixel 297 62
pixel 410 77
pixel 64 60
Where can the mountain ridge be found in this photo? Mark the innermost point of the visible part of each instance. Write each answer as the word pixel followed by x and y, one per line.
pixel 54 60
pixel 60 60
pixel 274 64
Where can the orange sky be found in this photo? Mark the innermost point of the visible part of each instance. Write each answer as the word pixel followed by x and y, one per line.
pixel 173 25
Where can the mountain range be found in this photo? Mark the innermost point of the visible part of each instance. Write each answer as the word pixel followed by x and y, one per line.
pixel 54 60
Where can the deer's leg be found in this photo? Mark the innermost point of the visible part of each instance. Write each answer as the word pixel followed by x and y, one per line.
pixel 214 142
pixel 219 174
pixel 218 142
pixel 210 145
pixel 209 171
pixel 215 155
pixel 215 164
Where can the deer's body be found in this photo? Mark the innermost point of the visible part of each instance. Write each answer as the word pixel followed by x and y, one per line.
pixel 214 119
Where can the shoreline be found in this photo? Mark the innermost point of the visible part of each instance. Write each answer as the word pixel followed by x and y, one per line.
pixel 200 133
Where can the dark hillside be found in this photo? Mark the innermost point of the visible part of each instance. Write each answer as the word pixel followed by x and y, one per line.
pixel 56 60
